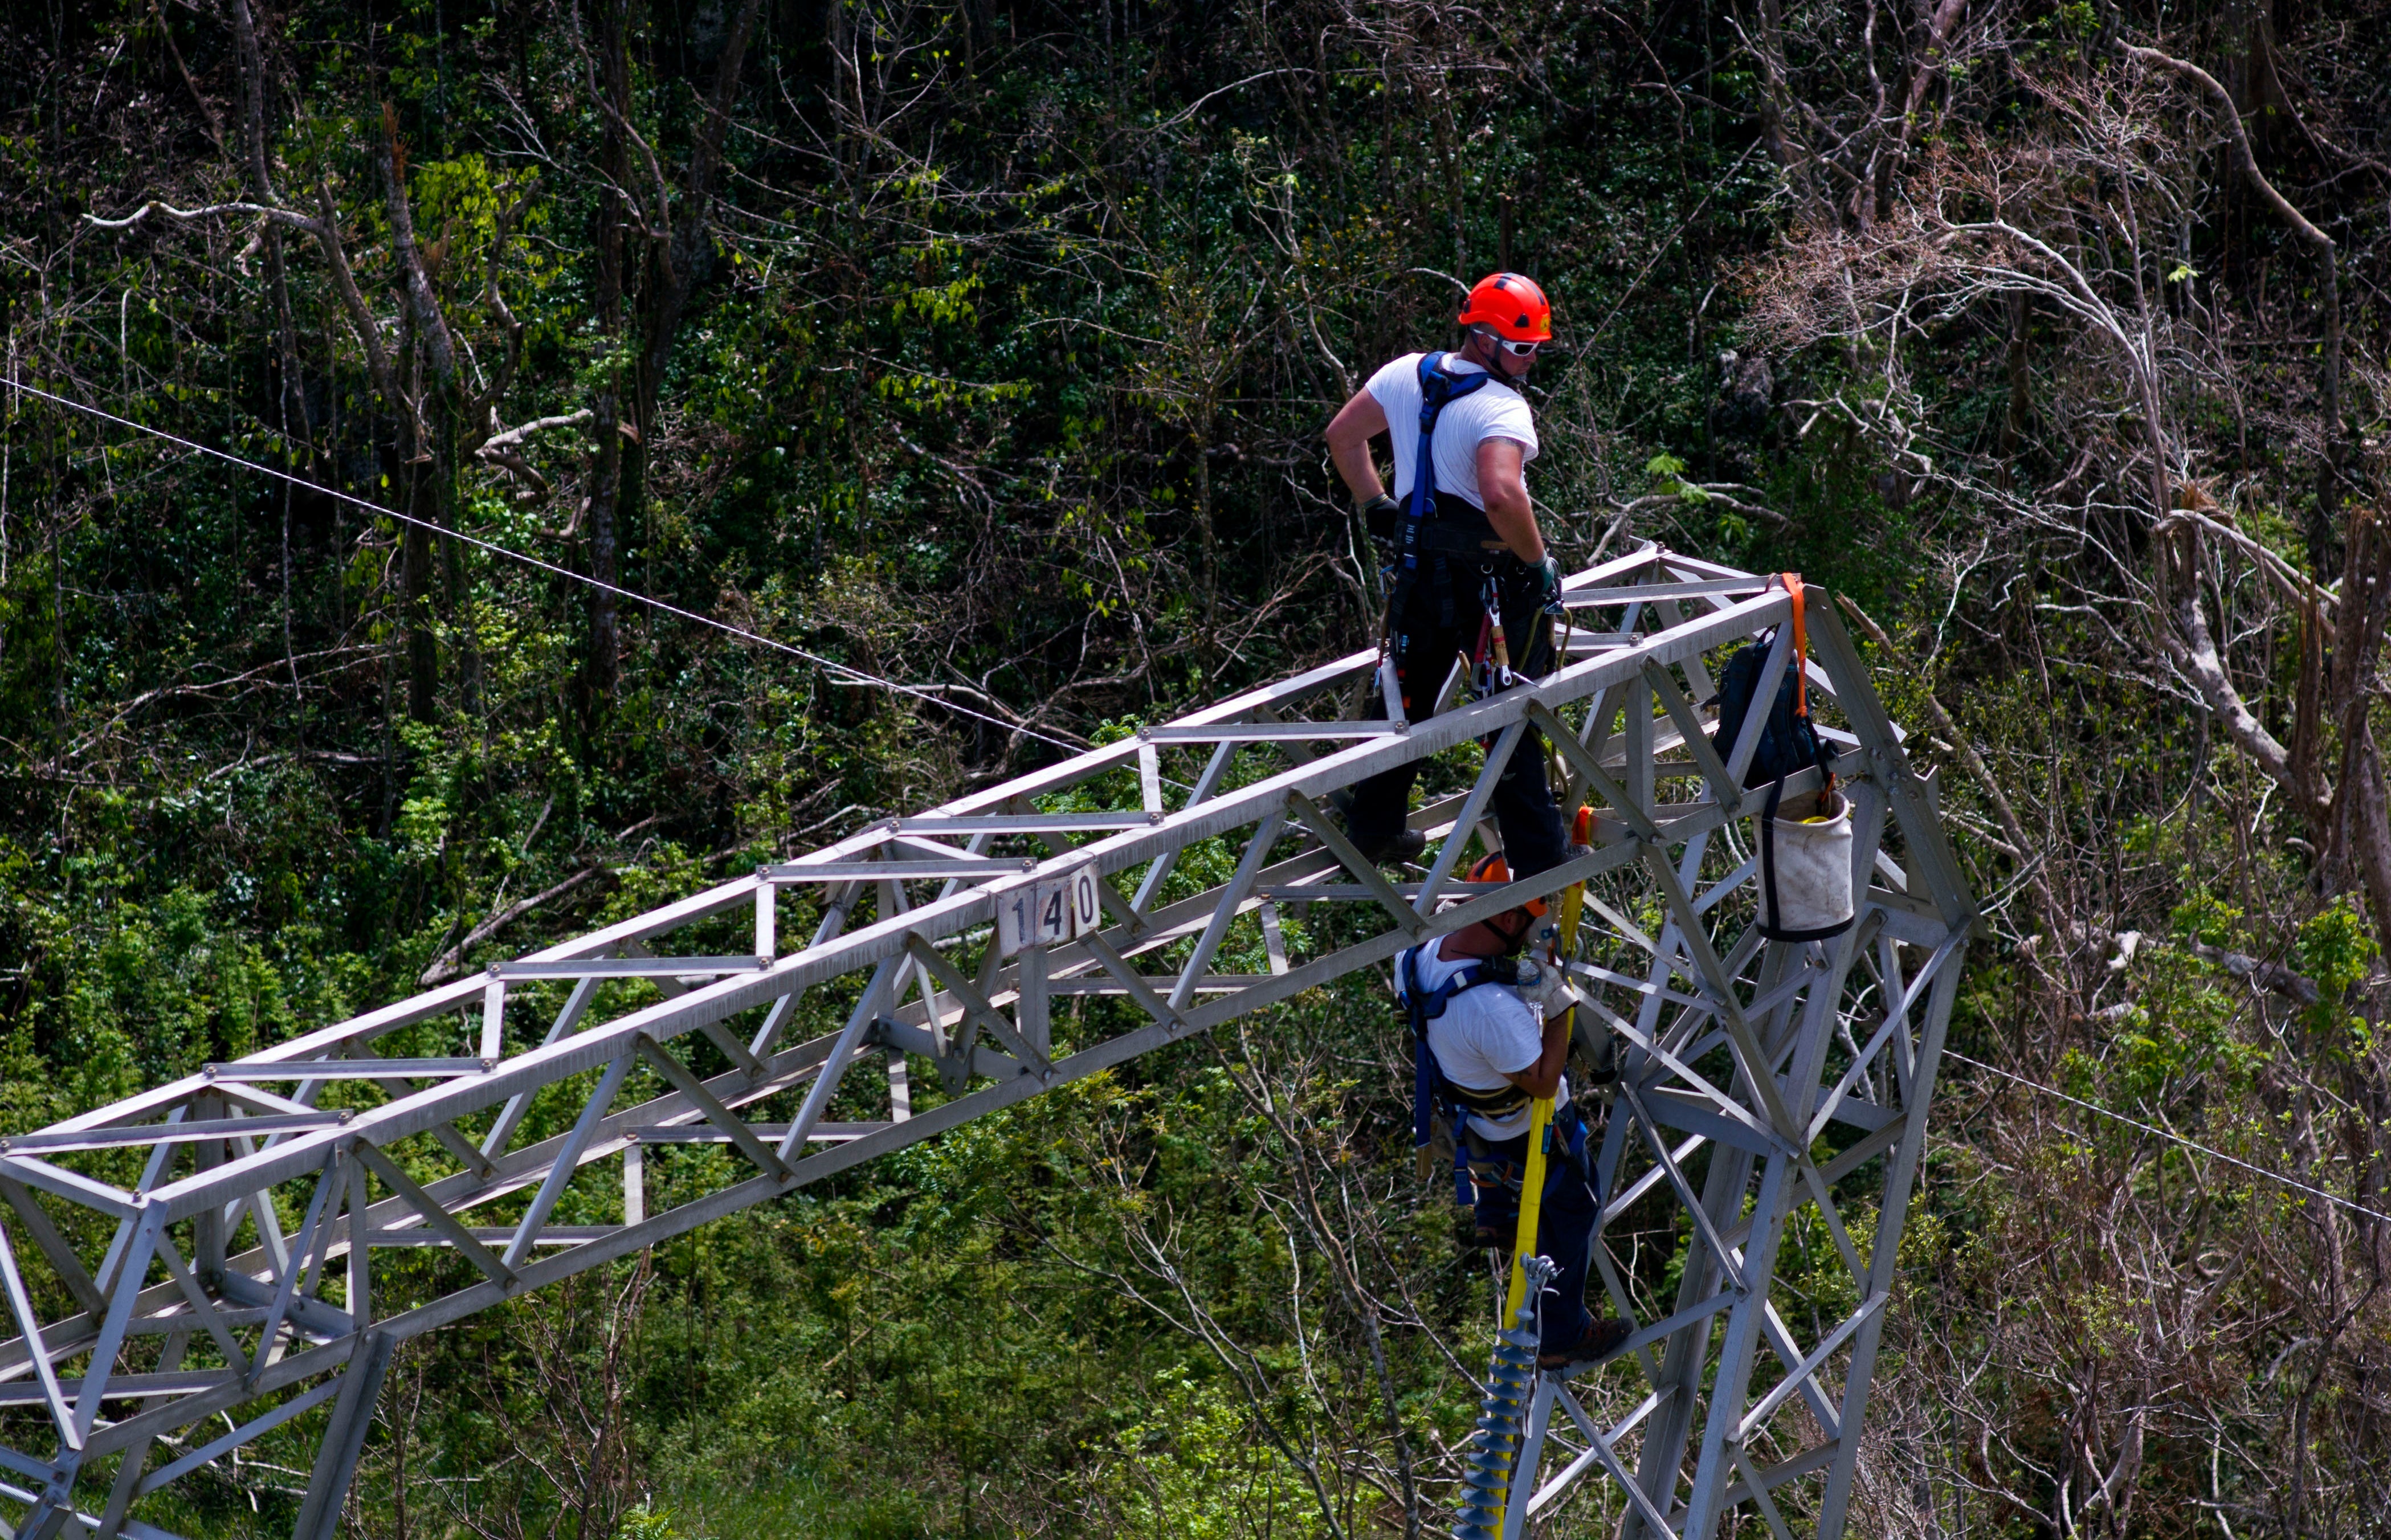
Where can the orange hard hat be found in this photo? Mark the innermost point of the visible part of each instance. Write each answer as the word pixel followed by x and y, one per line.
pixel 1510 306
pixel 1495 869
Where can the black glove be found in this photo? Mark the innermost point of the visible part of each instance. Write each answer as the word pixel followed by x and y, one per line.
pixel 1379 515
pixel 1548 581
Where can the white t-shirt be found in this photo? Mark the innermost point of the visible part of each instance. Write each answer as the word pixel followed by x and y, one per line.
pixel 1484 1035
pixel 1493 411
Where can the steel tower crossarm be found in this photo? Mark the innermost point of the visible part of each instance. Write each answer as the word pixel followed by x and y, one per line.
pixel 205 1301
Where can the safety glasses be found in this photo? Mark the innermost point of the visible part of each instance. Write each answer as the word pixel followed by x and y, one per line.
pixel 1518 350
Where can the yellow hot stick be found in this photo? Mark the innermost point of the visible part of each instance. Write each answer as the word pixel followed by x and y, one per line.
pixel 1540 1112
pixel 1532 1196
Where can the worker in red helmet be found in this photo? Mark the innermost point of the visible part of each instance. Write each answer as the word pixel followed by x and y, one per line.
pixel 1467 549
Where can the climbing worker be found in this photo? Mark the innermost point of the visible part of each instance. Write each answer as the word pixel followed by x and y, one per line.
pixel 1471 568
pixel 1483 1055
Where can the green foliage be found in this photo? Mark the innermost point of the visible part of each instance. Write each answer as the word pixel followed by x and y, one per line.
pixel 1011 389
pixel 2335 948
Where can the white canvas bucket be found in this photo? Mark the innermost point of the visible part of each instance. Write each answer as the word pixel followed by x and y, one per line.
pixel 1806 866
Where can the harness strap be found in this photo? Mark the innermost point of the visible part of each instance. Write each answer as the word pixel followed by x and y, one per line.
pixel 1768 857
pixel 1429 1085
pixel 1438 391
pixel 1792 581
pixel 1487 1104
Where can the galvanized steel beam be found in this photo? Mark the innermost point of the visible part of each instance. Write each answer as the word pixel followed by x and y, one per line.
pixel 1726 1045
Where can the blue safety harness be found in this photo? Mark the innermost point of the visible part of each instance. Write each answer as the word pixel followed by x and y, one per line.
pixel 1431 1091
pixel 1439 388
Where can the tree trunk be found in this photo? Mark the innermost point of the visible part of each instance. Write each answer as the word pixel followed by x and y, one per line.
pixel 415 589
pixel 678 257
pixel 58 572
pixel 611 240
pixel 681 261
pixel 1199 439
pixel 605 641
pixel 290 399
pixel 2020 408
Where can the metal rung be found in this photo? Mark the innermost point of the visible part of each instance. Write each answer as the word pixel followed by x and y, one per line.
pixel 347 1069
pixel 900 871
pixel 494 1235
pixel 707 1133
pixel 1580 598
pixel 1238 732
pixel 119 1386
pixel 1018 824
pixel 630 967
pixel 173 1133
pixel 1354 892
pixel 1211 983
pixel 1661 770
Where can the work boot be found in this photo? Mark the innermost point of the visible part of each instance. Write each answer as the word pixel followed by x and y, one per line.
pixel 1601 1340
pixel 1473 1235
pixel 1404 847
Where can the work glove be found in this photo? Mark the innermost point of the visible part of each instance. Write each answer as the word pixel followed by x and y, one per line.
pixel 1541 985
pixel 1548 583
pixel 1379 515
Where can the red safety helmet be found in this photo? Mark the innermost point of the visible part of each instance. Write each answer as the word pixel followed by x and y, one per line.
pixel 1510 306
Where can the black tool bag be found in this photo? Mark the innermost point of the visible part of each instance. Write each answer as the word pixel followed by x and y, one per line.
pixel 1788 743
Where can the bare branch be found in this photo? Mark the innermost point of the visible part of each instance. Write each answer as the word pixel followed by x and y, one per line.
pixel 421 301
pixel 212 211
pixel 514 436
pixel 447 964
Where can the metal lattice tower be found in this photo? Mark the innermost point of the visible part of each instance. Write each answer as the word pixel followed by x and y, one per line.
pixel 218 1234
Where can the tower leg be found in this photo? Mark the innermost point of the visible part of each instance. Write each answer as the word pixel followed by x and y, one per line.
pixel 1531 1455
pixel 1886 1251
pixel 344 1440
pixel 51 1513
pixel 1686 1355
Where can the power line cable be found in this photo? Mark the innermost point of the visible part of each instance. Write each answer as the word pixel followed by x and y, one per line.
pixel 861 675
pixel 1580 349
pixel 528 560
pixel 2176 1138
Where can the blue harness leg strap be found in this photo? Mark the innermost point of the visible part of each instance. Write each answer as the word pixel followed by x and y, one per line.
pixel 1439 388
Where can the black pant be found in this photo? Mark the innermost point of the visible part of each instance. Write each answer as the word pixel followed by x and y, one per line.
pixel 1440 619
pixel 1564 1217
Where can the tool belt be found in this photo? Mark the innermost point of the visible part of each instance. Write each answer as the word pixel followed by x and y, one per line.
pixel 1460 537
pixel 1500 1102
pixel 1462 528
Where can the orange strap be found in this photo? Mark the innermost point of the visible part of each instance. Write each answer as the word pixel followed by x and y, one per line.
pixel 1800 644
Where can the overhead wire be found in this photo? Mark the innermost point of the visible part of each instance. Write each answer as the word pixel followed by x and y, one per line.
pixel 864 677
pixel 1580 349
pixel 528 560
pixel 2292 1182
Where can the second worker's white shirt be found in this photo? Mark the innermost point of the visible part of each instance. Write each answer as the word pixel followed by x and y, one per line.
pixel 1485 1035
pixel 1493 411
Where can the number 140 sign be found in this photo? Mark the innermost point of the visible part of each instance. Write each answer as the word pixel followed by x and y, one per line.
pixel 1055 906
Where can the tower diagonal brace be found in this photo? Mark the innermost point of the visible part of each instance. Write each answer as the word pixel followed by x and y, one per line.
pixel 906 948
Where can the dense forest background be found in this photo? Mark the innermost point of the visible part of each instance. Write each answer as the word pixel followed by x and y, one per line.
pixel 985 348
